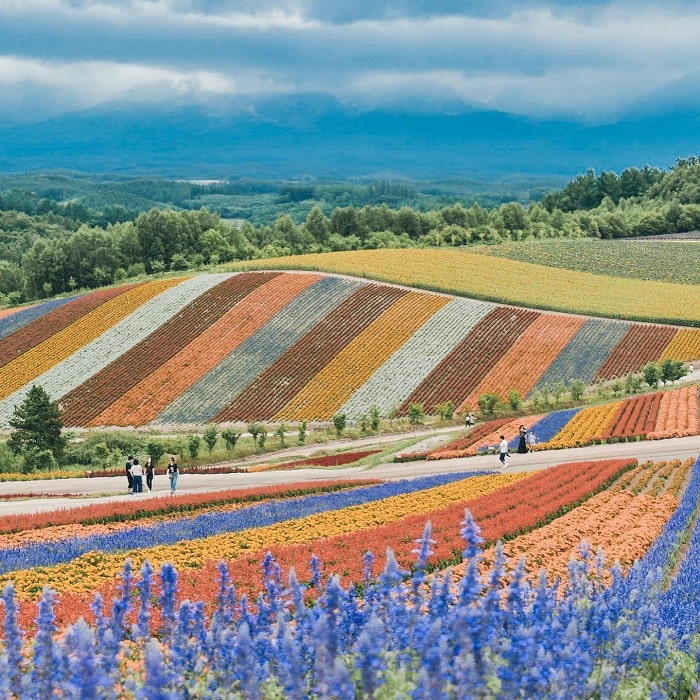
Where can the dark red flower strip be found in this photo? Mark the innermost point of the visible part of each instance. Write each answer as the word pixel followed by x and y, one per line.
pixel 290 373
pixel 458 374
pixel 643 343
pixel 43 328
pixel 93 396
pixel 335 460
pixel 653 413
pixel 479 432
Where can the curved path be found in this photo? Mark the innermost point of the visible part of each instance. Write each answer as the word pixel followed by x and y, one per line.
pixel 45 495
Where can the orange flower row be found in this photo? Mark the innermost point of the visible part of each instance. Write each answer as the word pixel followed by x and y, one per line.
pixel 678 414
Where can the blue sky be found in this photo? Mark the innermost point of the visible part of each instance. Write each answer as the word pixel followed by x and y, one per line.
pixel 592 62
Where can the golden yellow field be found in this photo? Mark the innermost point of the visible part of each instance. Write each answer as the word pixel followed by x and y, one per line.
pixel 507 281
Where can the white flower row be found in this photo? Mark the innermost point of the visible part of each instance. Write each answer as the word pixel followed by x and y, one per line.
pixel 394 381
pixel 216 389
pixel 110 345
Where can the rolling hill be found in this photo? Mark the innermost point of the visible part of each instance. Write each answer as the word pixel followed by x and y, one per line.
pixel 300 345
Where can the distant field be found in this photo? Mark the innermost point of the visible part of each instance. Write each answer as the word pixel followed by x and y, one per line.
pixel 659 260
pixel 507 281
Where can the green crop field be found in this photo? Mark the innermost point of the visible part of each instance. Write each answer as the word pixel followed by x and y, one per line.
pixel 662 261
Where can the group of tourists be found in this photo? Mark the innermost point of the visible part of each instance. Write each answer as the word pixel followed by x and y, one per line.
pixel 135 472
pixel 526 443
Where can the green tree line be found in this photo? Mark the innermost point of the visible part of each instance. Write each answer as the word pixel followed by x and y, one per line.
pixel 47 248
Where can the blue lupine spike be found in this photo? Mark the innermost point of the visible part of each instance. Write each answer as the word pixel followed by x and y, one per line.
pixel 13 639
pixel 122 605
pixel 167 599
pixel 45 658
pixel 316 568
pixel 144 590
pixel 158 678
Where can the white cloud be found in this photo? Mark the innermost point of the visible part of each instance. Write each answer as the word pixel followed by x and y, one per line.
pixel 554 59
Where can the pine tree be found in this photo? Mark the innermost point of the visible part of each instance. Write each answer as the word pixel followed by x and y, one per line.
pixel 36 425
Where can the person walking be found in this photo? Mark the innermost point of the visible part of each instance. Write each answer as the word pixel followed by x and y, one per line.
pixel 129 478
pixel 522 440
pixel 150 470
pixel 503 453
pixel 531 441
pixel 137 475
pixel 173 472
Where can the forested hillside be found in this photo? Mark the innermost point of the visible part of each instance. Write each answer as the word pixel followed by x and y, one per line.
pixel 58 235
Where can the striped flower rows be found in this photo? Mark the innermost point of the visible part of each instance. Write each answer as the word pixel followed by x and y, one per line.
pixel 211 395
pixel 663 414
pixel 354 364
pixel 584 355
pixel 678 414
pixel 622 523
pixel 520 368
pixel 393 382
pixel 642 344
pixel 143 402
pixel 93 397
pixel 353 519
pixel 100 337
pixel 298 346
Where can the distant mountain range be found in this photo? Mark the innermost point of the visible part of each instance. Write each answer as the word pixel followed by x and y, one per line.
pixel 316 137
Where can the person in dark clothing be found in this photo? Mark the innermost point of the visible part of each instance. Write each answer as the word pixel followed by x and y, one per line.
pixel 522 440
pixel 149 468
pixel 129 478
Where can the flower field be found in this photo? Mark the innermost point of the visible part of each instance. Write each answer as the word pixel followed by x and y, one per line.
pixel 653 416
pixel 347 589
pixel 507 281
pixel 292 346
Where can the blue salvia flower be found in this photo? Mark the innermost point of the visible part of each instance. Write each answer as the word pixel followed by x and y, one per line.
pixel 167 599
pixel 340 685
pixel 209 524
pixel 246 671
pixel 122 605
pixel 316 568
pixel 183 652
pixel 291 669
pixel 434 664
pixel 12 635
pixel 158 678
pixel 45 657
pixel 84 674
pixel 369 659
pixel 422 552
pixel 5 671
pixel 144 590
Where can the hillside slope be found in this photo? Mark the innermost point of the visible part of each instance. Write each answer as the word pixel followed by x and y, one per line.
pixel 458 271
pixel 292 346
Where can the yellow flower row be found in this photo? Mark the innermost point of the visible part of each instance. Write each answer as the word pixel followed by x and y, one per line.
pixel 585 425
pixel 509 281
pixel 87 572
pixel 356 363
pixel 58 347
pixel 684 346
